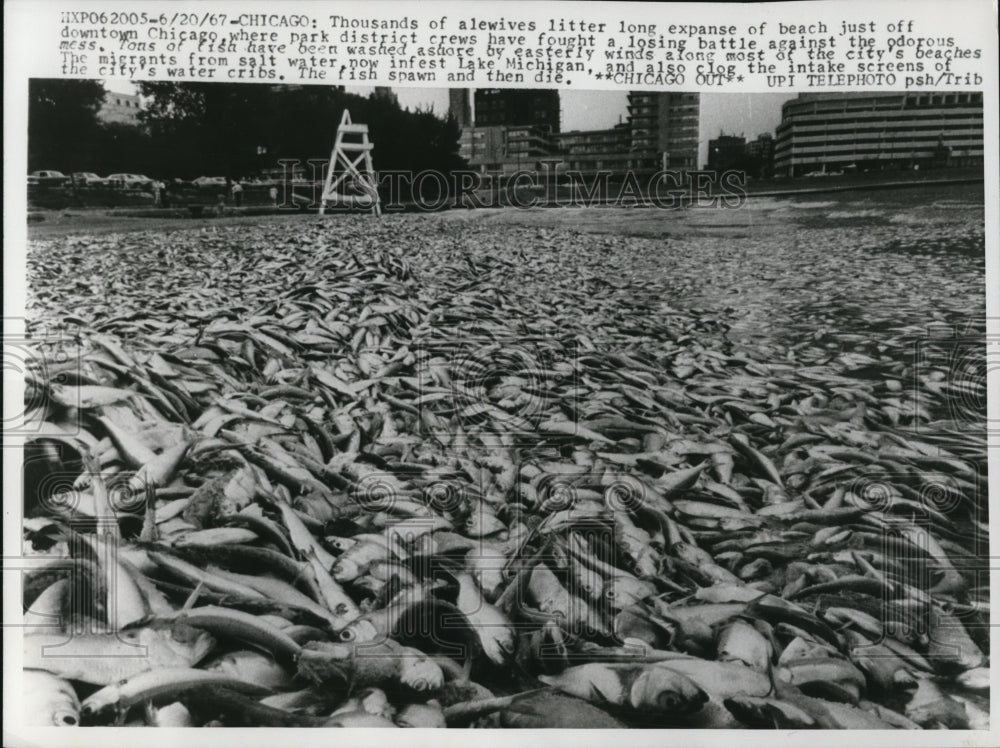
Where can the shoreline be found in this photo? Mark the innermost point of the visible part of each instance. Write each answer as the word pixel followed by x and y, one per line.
pixel 771 188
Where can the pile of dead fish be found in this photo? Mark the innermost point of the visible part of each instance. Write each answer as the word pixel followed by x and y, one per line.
pixel 278 480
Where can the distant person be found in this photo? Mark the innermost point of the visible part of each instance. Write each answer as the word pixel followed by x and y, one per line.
pixel 237 189
pixel 273 194
pixel 158 192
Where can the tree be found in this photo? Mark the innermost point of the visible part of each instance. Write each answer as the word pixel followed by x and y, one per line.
pixel 62 123
pixel 220 128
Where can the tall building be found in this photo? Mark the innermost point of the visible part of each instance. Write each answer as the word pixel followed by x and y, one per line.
pixel 760 156
pixel 517 106
pixel 590 152
pixel 834 131
pixel 727 152
pixel 664 129
pixel 511 149
pixel 511 129
pixel 460 105
pixel 120 108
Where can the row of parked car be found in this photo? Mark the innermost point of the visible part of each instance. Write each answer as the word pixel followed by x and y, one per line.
pixel 51 178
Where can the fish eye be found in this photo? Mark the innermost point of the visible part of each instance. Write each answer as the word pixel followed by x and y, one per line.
pixel 668 701
pixel 66 718
pixel 347 635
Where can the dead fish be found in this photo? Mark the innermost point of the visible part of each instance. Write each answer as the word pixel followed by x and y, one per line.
pixel 233 709
pixel 195 576
pixel 164 683
pixel 950 644
pixel 253 629
pixel 421 715
pixel 553 710
pixel 371 700
pixel 105 658
pixel 494 629
pixel 133 452
pixel 635 544
pixel 384 663
pixel 704 563
pixel 739 641
pixel 976 679
pixel 215 536
pixel 169 715
pixel 830 715
pixel 125 601
pixel 930 707
pixel 302 539
pixel 356 559
pixel 358 719
pixel 640 690
pixel 48 701
pixel 554 600
pixel 88 397
pixel 548 648
pixel 253 667
pixel 827 677
pixel 697 622
pixel 762 711
pixel 45 615
pixel 159 470
pixel 719 680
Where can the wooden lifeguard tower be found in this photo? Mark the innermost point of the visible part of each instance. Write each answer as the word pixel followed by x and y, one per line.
pixel 350 180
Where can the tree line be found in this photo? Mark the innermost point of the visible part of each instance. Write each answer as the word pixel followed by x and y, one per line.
pixel 234 130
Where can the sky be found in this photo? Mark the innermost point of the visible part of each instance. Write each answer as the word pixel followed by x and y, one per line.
pixel 733 113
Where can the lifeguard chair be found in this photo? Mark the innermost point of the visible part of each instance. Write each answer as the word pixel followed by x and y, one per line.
pixel 350 180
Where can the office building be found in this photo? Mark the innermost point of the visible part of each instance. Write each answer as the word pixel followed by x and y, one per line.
pixel 886 130
pixel 727 152
pixel 760 156
pixel 664 129
pixel 460 105
pixel 517 106
pixel 589 152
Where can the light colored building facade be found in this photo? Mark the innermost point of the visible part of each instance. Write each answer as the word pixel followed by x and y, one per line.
pixel 664 129
pixel 661 133
pixel 120 108
pixel 506 149
pixel 590 152
pixel 885 130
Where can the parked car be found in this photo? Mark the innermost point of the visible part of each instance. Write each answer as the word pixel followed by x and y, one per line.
pixel 209 182
pixel 86 178
pixel 129 181
pixel 47 177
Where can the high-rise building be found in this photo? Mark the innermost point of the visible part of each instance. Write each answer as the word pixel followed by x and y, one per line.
pixel 760 156
pixel 878 130
pixel 727 152
pixel 460 105
pixel 664 129
pixel 590 152
pixel 509 149
pixel 517 106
